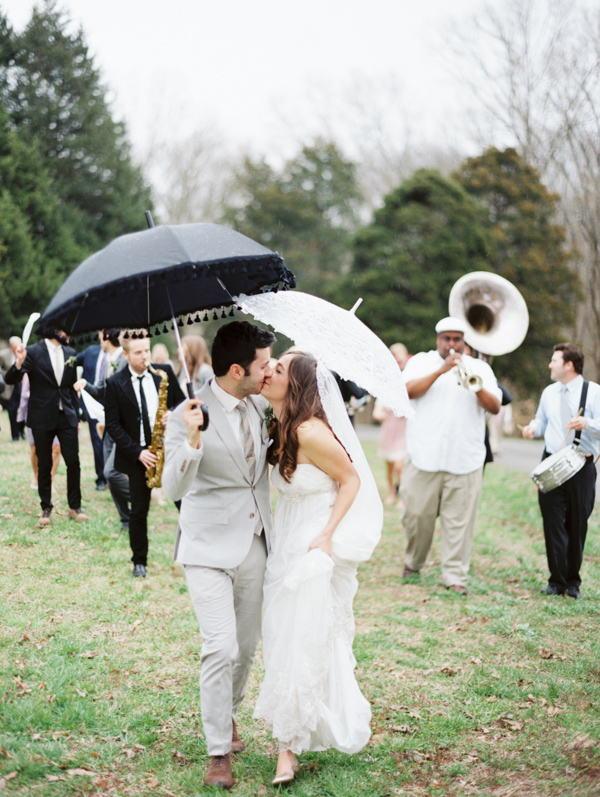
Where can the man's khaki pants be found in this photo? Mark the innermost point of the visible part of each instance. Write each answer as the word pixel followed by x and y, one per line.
pixel 228 604
pixel 454 499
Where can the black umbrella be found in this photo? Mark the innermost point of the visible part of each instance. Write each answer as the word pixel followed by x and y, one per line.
pixel 146 278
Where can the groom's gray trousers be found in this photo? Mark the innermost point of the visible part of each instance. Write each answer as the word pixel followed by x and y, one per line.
pixel 228 604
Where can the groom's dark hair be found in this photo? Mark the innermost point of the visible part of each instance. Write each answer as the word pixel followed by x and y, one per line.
pixel 236 344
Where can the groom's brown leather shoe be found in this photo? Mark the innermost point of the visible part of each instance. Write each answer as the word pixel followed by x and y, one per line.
pixel 237 744
pixel 219 772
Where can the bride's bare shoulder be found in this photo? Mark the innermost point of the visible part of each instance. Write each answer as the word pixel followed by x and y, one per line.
pixel 313 429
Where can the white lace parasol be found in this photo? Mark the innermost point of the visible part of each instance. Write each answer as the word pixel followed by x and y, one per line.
pixel 337 338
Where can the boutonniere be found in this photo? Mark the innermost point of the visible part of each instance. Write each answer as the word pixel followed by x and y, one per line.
pixel 71 361
pixel 114 365
pixel 270 418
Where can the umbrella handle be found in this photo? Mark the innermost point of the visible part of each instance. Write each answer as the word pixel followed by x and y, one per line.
pixel 190 391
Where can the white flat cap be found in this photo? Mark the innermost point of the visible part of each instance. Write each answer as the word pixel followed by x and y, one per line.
pixel 451 324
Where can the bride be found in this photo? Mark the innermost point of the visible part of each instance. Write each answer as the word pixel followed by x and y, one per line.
pixel 328 518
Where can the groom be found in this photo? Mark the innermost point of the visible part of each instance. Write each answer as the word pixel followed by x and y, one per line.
pixel 221 477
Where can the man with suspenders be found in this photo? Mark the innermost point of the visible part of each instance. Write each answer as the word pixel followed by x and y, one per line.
pixel 567 508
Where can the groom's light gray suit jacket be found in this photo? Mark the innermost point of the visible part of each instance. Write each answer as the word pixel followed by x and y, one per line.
pixel 216 522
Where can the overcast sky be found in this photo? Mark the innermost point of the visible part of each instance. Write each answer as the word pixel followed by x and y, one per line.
pixel 242 65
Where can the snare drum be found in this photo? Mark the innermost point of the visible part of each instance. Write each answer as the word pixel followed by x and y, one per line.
pixel 558 468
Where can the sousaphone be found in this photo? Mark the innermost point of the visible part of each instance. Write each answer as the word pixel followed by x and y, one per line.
pixel 494 310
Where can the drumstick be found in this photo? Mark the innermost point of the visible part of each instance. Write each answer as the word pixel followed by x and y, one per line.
pixel 570 430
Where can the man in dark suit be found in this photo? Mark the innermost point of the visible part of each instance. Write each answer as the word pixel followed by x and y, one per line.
pixel 53 410
pixel 118 482
pixel 131 403
pixel 95 363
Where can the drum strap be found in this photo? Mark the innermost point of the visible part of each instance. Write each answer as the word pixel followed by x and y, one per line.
pixel 582 400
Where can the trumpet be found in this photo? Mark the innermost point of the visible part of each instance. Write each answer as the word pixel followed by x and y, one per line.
pixel 472 382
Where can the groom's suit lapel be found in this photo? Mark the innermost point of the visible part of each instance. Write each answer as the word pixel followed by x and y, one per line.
pixel 220 424
pixel 45 363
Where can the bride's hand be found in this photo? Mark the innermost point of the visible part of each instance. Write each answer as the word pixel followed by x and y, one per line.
pixel 323 542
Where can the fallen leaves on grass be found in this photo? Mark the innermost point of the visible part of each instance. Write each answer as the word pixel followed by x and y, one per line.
pixel 23 689
pixel 545 653
pixel 553 711
pixel 402 729
pixel 82 770
pixel 512 725
pixel 582 741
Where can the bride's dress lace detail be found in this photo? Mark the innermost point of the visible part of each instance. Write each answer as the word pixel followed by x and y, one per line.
pixel 309 698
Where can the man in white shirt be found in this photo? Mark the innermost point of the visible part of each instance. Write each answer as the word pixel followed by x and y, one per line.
pixel 446 452
pixel 221 477
pixel 566 509
pixel 131 404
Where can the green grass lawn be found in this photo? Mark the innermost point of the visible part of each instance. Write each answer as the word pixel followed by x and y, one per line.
pixel 496 694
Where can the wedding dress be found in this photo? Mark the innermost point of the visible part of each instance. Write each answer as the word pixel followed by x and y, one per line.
pixel 309 698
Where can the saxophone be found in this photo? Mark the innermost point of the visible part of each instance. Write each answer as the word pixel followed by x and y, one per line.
pixel 157 444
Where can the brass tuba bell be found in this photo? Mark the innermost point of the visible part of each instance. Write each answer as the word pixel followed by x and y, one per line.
pixel 494 310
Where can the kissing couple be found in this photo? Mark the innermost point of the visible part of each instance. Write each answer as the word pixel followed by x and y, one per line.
pixel 303 564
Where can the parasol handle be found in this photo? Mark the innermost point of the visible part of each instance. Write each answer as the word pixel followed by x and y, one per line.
pixel 190 391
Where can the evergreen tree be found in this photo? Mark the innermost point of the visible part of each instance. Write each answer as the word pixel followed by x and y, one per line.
pixel 529 251
pixel 37 247
pixel 54 96
pixel 306 211
pixel 428 233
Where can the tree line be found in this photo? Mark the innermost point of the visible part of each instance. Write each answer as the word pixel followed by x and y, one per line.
pixel 69 185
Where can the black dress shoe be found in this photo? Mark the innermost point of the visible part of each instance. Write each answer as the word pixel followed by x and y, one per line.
pixel 139 571
pixel 101 486
pixel 124 526
pixel 552 590
pixel 573 592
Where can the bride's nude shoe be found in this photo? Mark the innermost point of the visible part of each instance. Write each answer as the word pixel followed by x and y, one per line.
pixel 287 777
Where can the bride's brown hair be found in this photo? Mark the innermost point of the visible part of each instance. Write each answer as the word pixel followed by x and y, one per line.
pixel 301 402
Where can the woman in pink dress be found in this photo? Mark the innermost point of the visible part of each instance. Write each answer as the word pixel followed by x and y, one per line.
pixel 392 441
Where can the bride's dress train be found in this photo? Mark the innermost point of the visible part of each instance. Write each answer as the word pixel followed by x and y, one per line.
pixel 309 698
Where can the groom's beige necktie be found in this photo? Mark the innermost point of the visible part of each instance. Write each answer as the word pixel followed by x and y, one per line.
pixel 250 455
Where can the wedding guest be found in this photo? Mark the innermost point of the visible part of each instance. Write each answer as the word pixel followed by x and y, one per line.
pixel 94 362
pixel 198 361
pixel 118 483
pixel 53 411
pixel 160 355
pixel 12 394
pixel 21 416
pixel 392 439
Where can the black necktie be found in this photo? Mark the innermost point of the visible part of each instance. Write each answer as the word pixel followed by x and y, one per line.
pixel 145 417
